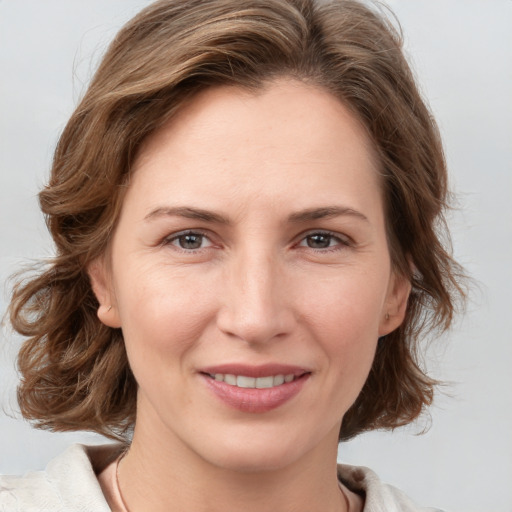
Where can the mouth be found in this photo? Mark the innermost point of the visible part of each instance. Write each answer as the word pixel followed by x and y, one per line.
pixel 244 381
pixel 255 389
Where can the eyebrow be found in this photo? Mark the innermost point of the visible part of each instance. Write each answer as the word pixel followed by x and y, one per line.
pixel 325 212
pixel 309 214
pixel 188 213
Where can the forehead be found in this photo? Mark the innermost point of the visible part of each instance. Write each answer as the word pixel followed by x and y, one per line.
pixel 280 107
pixel 286 137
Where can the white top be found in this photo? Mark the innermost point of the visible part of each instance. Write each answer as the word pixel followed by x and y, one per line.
pixel 69 484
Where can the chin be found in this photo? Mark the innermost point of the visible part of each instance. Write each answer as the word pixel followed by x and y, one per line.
pixel 256 452
pixel 254 461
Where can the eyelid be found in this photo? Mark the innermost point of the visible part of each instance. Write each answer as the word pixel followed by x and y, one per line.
pixel 344 240
pixel 169 239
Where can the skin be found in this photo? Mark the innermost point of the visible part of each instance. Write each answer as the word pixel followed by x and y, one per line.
pixel 266 284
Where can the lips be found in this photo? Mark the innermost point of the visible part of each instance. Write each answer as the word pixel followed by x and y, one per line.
pixel 255 389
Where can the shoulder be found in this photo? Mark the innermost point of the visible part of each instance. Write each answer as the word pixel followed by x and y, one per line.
pixel 380 497
pixel 67 484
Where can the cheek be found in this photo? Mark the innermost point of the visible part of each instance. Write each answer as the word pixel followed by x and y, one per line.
pixel 347 307
pixel 162 313
pixel 344 317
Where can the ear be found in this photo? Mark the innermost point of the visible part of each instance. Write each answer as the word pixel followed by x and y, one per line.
pixel 101 283
pixel 395 307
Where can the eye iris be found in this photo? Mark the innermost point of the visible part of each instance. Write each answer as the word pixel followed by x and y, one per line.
pixel 190 241
pixel 319 241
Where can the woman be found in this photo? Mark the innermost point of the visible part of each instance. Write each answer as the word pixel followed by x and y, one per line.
pixel 246 207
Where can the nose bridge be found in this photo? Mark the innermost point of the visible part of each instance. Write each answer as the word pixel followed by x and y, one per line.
pixel 255 308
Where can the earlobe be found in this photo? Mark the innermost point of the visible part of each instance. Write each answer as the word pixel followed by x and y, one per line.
pixel 395 306
pixel 102 287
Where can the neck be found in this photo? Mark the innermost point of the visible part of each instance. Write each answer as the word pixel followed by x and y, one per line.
pixel 168 476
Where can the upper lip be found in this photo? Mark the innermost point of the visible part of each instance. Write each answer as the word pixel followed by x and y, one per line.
pixel 263 370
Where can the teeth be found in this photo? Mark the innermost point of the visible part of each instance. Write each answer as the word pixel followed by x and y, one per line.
pixel 279 379
pixel 228 379
pixel 245 382
pixel 242 381
pixel 265 382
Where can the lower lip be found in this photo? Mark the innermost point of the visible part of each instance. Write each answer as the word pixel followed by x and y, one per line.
pixel 255 400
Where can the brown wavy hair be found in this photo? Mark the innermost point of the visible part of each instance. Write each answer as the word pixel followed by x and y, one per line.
pixel 75 373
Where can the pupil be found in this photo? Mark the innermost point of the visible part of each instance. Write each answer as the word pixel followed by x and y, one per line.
pixel 319 241
pixel 190 241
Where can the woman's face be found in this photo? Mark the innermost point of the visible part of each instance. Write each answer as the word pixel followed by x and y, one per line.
pixel 251 250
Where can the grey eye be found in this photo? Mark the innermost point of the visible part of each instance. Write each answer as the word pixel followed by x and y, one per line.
pixel 319 240
pixel 189 241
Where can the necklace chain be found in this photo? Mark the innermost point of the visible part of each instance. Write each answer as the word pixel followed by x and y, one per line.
pixel 126 509
pixel 119 459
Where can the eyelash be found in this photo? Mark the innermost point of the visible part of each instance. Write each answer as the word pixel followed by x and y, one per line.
pixel 170 239
pixel 342 241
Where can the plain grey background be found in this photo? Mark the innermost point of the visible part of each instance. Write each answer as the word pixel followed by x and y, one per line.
pixel 461 51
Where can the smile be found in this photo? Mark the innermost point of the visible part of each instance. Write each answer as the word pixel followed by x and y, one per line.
pixel 255 389
pixel 243 381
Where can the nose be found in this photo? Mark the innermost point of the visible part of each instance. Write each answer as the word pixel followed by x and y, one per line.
pixel 256 307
